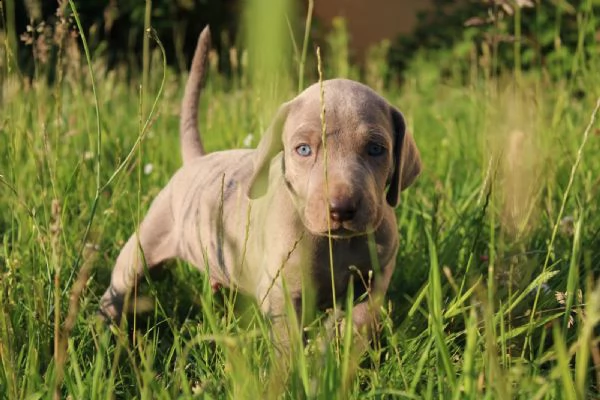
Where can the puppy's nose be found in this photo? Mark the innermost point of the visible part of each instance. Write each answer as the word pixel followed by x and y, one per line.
pixel 342 209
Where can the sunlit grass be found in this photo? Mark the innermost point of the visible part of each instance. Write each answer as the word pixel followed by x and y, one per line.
pixel 504 215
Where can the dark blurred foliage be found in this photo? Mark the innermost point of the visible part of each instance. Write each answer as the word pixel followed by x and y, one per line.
pixel 115 28
pixel 451 34
pixel 551 32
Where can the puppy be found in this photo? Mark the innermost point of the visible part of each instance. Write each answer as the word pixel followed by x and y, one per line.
pixel 296 217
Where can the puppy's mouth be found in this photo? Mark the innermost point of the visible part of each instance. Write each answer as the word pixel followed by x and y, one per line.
pixel 338 231
pixel 339 228
pixel 343 233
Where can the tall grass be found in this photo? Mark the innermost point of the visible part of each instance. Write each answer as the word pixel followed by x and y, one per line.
pixel 494 295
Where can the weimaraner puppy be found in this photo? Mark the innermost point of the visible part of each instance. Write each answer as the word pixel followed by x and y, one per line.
pixel 289 215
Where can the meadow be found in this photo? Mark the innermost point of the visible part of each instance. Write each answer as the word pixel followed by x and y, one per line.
pixel 495 292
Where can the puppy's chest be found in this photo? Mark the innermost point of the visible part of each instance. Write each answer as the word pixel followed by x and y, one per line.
pixel 351 260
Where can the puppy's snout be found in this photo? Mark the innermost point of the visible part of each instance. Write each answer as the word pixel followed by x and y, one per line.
pixel 342 209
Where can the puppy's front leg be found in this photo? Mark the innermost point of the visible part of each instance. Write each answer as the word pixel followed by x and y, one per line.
pixel 152 244
pixel 365 314
pixel 276 304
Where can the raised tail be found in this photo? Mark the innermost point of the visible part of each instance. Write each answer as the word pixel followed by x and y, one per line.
pixel 191 144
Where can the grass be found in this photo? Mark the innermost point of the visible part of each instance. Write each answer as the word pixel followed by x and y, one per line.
pixel 504 215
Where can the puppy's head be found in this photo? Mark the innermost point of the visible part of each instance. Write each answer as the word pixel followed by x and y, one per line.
pixel 340 183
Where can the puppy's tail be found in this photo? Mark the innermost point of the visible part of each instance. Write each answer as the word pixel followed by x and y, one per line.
pixel 191 144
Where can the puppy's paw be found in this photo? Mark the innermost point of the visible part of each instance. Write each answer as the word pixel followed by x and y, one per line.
pixel 360 327
pixel 111 306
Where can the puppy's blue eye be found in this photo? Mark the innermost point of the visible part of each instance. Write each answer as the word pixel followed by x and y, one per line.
pixel 375 150
pixel 304 150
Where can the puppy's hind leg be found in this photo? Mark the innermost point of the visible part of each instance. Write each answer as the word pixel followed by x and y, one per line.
pixel 152 244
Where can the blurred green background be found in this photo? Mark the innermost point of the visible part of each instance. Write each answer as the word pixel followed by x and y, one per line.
pixel 548 33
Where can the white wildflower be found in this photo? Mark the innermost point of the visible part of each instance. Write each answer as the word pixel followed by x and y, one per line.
pixel 248 140
pixel 148 168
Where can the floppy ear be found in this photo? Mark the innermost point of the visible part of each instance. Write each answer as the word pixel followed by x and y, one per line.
pixel 270 144
pixel 407 161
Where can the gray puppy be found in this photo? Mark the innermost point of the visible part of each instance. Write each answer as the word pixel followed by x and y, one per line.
pixel 263 220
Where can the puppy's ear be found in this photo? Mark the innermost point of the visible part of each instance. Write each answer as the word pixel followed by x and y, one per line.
pixel 407 160
pixel 270 144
